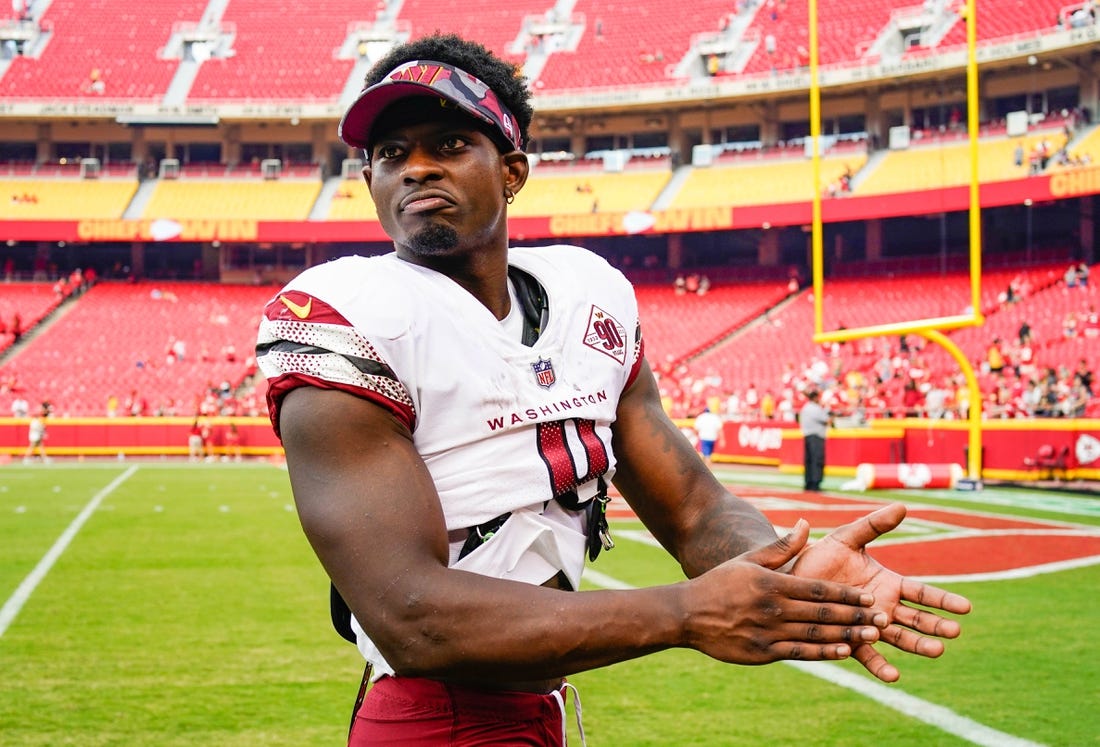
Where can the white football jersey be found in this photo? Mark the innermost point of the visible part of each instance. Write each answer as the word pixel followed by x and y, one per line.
pixel 501 426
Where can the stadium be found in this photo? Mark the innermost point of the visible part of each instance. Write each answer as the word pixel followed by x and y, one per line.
pixel 165 168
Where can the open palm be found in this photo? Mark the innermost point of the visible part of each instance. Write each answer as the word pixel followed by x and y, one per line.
pixel 841 556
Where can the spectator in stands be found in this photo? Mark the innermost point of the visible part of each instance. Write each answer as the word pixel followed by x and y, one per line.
pixel 1069 277
pixel 1024 333
pixel 750 403
pixel 935 400
pixel 1048 400
pixel 1083 375
pixel 912 400
pixel 767 405
pixel 994 357
pixel 1025 361
pixel 136 405
pixel 95 82
pixel 1069 325
pixel 1091 322
pixel 1077 401
pixel 1082 275
pixel 1032 397
pixel 19 407
pixel 814 420
pixel 389 376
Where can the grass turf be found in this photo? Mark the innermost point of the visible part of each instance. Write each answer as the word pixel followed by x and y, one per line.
pixel 189 610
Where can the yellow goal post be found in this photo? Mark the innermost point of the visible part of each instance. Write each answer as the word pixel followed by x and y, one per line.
pixel 931 329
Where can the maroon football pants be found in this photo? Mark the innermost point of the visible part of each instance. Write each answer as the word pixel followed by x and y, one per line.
pixel 416 712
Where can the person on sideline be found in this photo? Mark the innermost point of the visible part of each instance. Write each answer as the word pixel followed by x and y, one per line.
pixel 708 426
pixel 813 420
pixel 196 441
pixel 454 414
pixel 36 435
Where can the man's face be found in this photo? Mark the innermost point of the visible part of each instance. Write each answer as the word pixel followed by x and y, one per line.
pixel 437 181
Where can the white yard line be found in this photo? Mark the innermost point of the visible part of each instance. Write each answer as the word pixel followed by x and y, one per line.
pixel 938 716
pixel 16 601
pixel 942 718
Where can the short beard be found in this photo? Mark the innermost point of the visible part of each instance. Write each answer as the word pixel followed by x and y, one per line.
pixel 433 240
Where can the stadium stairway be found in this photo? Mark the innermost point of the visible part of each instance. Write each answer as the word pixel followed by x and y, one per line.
pixel 868 168
pixel 44 323
pixel 764 317
pixel 141 198
pixel 323 203
pixel 176 95
pixel 679 176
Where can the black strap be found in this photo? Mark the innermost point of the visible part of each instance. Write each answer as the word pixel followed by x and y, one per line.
pixel 362 694
pixel 340 614
pixel 532 302
pixel 481 534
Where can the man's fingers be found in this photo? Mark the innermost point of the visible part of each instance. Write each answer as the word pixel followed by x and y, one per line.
pixel 838 615
pixel 933 596
pixel 875 663
pixel 861 532
pixel 803 651
pixel 928 623
pixel 904 639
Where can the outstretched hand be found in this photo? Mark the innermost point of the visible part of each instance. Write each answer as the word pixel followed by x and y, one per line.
pixel 746 611
pixel 841 557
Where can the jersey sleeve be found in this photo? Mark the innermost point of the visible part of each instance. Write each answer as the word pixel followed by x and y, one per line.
pixel 304 341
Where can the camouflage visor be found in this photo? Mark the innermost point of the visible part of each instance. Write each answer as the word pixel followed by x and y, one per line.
pixel 428 78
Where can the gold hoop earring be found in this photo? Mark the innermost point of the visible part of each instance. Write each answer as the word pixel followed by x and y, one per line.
pixel 509 196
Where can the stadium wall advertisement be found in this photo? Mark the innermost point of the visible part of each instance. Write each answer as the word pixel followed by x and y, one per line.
pixel 1007 444
pixel 1060 185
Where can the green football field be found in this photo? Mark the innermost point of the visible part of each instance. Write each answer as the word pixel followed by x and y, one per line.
pixel 149 603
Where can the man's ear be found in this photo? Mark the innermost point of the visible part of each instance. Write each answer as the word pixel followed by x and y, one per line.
pixel 367 174
pixel 516 169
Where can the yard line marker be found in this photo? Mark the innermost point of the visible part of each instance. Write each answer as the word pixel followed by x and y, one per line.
pixel 934 715
pixel 16 601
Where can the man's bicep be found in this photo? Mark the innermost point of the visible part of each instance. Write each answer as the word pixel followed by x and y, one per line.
pixel 364 496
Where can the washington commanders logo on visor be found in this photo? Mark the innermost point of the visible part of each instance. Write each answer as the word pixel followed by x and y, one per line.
pixel 544 373
pixel 606 335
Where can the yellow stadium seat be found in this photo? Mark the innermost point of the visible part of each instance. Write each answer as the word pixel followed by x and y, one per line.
pixel 937 166
pixel 50 199
pixel 760 183
pixel 256 200
pixel 352 201
pixel 588 192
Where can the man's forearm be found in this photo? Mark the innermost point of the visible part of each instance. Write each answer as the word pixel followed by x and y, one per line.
pixel 730 527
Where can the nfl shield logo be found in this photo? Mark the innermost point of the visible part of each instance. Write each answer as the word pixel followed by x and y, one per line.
pixel 544 373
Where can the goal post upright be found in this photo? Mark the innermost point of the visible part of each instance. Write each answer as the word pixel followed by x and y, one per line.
pixel 930 329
